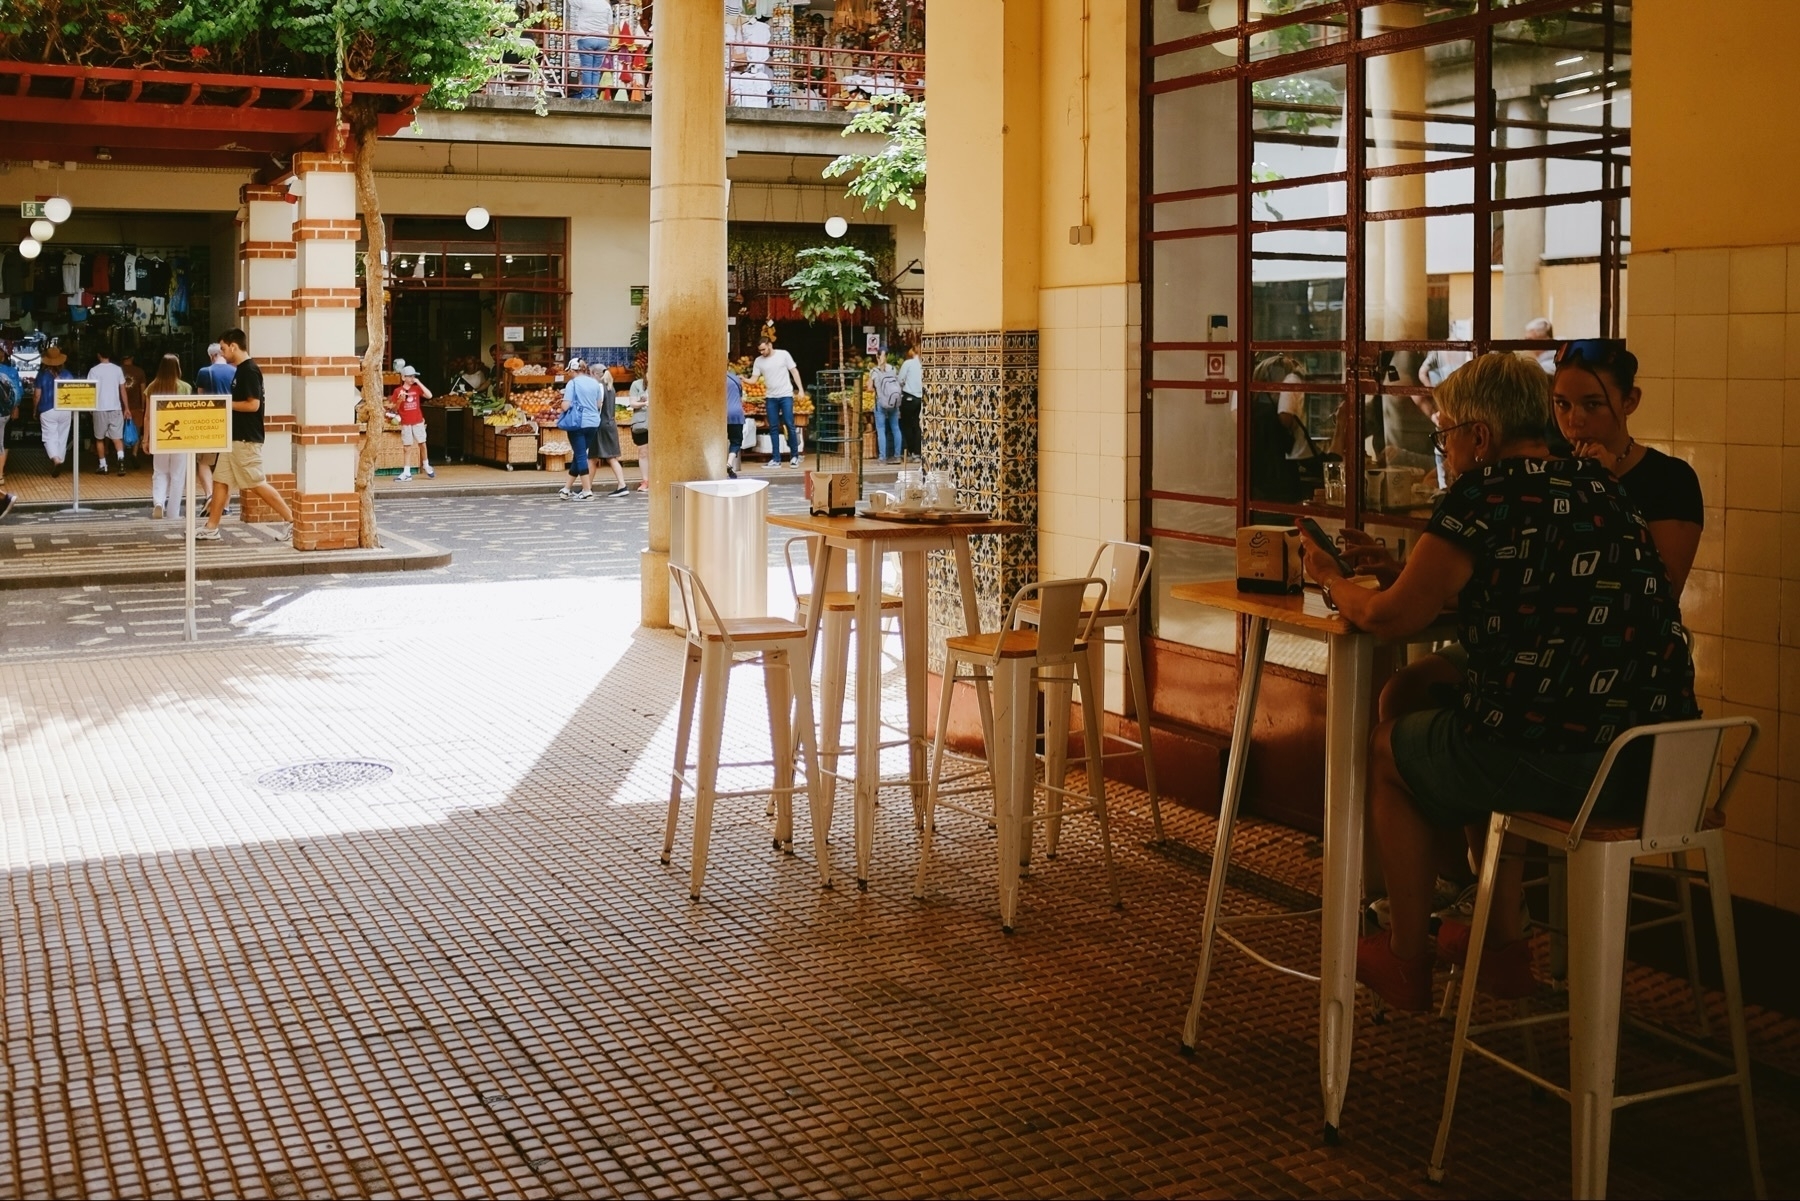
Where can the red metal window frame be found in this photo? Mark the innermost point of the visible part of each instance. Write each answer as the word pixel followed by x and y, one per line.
pixel 1360 353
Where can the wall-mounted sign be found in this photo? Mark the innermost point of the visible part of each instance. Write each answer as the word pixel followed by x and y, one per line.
pixel 639 291
pixel 30 210
pixel 512 333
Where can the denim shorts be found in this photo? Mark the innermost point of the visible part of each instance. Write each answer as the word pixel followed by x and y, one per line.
pixel 1458 779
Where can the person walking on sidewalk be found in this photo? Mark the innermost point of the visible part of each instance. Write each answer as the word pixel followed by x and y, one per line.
pixel 214 379
pixel 734 422
pixel 109 408
pixel 241 466
pixel 640 431
pixel 12 393
pixel 885 382
pixel 605 446
pixel 409 401
pixel 165 468
pixel 54 425
pixel 135 380
pixel 912 404
pixel 781 379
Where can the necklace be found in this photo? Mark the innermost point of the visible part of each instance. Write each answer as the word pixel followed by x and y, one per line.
pixel 1630 445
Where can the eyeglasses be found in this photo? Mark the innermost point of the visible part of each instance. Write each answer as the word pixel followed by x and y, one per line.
pixel 1597 352
pixel 1441 435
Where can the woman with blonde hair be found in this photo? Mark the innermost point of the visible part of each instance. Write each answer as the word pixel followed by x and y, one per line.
pixel 1573 636
pixel 165 472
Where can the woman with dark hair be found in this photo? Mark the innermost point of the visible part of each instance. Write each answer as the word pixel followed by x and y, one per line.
pixel 1594 395
pixel 165 471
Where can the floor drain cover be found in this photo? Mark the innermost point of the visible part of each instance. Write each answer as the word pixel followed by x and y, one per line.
pixel 325 775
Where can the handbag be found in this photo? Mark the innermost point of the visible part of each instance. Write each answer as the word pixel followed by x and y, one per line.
pixel 570 419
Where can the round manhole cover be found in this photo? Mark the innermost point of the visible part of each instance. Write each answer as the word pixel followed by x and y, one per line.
pixel 325 775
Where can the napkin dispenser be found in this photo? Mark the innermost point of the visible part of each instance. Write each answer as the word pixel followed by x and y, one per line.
pixel 833 493
pixel 1268 558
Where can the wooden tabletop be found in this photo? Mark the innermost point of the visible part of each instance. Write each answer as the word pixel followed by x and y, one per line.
pixel 861 528
pixel 1304 609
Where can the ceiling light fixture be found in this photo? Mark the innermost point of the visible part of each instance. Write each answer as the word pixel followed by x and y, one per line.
pixel 43 230
pixel 58 209
pixel 30 248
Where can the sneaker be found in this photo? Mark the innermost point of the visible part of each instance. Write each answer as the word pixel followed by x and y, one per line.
pixel 56 469
pixel 102 467
pixel 584 495
pixel 731 473
pixel 206 533
pixel 1505 967
pixel 621 490
pixel 1404 984
pixel 156 511
pixel 284 532
pixel 121 464
pixel 7 501
pixel 429 473
pixel 565 492
pixel 404 476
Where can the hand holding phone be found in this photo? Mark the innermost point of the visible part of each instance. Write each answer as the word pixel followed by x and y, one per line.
pixel 1316 534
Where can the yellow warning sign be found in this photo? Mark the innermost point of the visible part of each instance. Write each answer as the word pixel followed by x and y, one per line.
pixel 190 424
pixel 82 395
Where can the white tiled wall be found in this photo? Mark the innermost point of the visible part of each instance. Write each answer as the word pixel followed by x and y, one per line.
pixel 1088 410
pixel 1717 335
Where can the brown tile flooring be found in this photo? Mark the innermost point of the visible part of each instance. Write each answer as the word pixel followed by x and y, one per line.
pixel 517 1000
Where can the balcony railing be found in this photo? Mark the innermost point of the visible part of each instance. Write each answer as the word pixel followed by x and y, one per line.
pixel 583 66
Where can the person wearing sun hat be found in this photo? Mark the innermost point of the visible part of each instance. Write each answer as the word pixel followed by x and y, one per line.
pixel 54 424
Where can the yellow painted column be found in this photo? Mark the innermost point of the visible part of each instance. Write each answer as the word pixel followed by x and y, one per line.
pixel 984 76
pixel 687 272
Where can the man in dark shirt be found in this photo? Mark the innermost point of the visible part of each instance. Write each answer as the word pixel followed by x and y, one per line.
pixel 241 467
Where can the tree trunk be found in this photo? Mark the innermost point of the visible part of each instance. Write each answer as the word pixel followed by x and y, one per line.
pixel 371 411
pixel 838 316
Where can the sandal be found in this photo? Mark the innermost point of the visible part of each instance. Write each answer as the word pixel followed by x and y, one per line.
pixel 1505 967
pixel 1403 983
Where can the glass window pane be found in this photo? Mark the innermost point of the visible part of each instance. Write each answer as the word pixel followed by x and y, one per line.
pixel 1295 202
pixel 1195 280
pixel 547 232
pixel 1292 39
pixel 1194 138
pixel 1195 439
pixel 1193 517
pixel 1298 124
pixel 1210 212
pixel 1293 431
pixel 1298 285
pixel 1392 15
pixel 1549 269
pixel 1179 561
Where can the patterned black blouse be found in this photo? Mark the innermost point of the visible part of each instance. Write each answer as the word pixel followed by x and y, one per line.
pixel 1572 635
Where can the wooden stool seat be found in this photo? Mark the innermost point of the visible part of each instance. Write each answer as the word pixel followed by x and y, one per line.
pixel 1030 609
pixel 846 602
pixel 750 629
pixel 1007 644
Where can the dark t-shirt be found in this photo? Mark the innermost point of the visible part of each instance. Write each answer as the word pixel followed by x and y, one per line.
pixel 247 384
pixel 1665 488
pixel 1572 635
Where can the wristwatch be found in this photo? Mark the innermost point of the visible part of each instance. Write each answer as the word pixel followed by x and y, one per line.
pixel 1325 591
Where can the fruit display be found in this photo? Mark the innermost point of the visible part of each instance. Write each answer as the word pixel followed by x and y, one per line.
pixel 510 419
pixel 539 404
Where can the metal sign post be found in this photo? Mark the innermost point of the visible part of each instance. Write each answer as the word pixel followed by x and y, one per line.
pixel 75 397
pixel 188 426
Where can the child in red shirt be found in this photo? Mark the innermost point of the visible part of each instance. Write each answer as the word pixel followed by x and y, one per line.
pixel 409 401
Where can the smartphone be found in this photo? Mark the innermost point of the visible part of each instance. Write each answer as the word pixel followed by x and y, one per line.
pixel 1323 541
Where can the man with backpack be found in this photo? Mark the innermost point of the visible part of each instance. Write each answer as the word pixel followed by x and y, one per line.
pixel 885 381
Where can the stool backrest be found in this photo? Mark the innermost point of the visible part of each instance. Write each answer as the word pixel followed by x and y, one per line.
pixel 697 610
pixel 1682 758
pixel 1125 566
pixel 810 541
pixel 1066 613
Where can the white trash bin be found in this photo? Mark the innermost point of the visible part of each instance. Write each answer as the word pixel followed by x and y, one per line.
pixel 719 529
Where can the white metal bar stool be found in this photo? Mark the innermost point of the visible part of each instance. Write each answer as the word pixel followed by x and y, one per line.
pixel 836 623
pixel 714 645
pixel 1127 570
pixel 1600 853
pixel 1015 663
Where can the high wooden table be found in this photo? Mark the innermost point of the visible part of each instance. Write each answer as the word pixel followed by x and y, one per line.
pixel 872 539
pixel 1349 683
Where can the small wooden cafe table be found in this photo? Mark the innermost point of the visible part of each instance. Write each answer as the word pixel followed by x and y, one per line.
pixel 1349 685
pixel 872 539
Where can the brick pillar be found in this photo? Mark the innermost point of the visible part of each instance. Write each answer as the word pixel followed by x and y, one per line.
pixel 326 365
pixel 267 316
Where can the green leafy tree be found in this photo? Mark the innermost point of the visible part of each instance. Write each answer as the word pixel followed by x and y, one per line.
pixel 831 280
pixel 451 47
pixel 896 173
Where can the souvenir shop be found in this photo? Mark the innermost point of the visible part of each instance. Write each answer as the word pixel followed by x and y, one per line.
pixel 124 284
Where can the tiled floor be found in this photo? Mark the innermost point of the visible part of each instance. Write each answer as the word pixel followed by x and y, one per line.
pixel 474 978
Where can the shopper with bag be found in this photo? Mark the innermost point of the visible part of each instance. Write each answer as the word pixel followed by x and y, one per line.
pixel 888 395
pixel 165 468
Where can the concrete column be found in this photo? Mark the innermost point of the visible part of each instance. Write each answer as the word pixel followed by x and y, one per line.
pixel 1522 250
pixel 326 365
pixel 687 271
pixel 1394 251
pixel 269 257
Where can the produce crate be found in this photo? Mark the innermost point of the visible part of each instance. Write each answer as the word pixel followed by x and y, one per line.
pixel 390 455
pixel 503 450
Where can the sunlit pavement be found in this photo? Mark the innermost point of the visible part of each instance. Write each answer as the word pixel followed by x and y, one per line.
pixel 472 977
